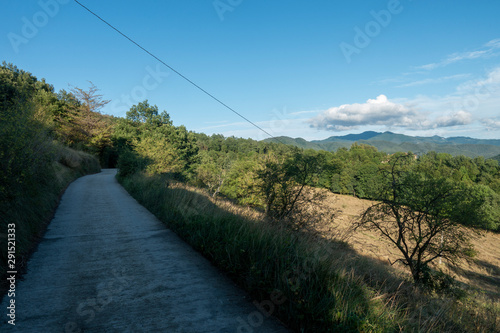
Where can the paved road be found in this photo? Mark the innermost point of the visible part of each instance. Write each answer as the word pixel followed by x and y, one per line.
pixel 108 265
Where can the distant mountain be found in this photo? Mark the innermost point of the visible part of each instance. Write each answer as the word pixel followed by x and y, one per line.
pixel 351 137
pixel 392 142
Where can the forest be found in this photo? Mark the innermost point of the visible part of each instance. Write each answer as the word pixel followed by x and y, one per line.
pixel 259 174
pixel 48 135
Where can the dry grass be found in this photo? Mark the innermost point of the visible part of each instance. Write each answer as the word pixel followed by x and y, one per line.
pixel 480 274
pixel 322 293
pixel 258 255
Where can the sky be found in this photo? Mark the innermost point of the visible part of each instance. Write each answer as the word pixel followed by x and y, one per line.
pixel 294 68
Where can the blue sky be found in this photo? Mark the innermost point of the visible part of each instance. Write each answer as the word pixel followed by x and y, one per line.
pixel 295 68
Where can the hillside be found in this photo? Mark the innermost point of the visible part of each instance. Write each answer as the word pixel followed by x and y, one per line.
pixel 392 142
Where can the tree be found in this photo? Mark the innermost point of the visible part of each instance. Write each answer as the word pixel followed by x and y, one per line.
pixel 212 171
pixel 162 157
pixel 242 182
pixel 421 215
pixel 143 113
pixel 26 148
pixel 283 180
pixel 91 100
pixel 91 128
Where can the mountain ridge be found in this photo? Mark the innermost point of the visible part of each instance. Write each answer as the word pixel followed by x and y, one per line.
pixel 390 143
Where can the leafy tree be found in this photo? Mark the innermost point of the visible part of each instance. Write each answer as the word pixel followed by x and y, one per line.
pixel 25 146
pixel 129 162
pixel 143 113
pixel 283 180
pixel 213 170
pixel 149 134
pixel 242 183
pixel 159 151
pixel 184 142
pixel 421 215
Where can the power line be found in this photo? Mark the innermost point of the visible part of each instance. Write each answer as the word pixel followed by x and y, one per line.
pixel 178 73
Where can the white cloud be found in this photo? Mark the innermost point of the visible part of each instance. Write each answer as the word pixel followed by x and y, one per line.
pixel 485 51
pixel 491 82
pixel 383 112
pixel 434 80
pixel 455 119
pixel 495 43
pixel 379 111
pixel 491 124
pixel 470 110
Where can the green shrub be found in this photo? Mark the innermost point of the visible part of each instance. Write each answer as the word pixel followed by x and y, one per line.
pixel 129 163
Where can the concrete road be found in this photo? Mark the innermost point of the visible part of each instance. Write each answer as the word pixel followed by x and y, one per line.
pixel 106 264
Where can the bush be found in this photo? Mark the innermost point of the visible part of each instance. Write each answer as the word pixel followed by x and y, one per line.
pixel 129 163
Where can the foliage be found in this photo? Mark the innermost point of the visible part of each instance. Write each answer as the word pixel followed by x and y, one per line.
pixel 143 113
pixel 242 182
pixel 130 162
pixel 266 175
pixel 149 141
pixel 161 154
pixel 212 170
pixel 35 167
pixel 283 181
pixel 91 130
pixel 420 215
pixel 437 191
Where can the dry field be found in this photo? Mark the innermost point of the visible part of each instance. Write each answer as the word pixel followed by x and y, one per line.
pixel 482 273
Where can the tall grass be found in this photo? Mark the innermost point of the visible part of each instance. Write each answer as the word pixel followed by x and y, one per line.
pixel 325 285
pixel 267 259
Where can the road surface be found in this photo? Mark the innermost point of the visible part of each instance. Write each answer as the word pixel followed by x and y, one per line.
pixel 106 264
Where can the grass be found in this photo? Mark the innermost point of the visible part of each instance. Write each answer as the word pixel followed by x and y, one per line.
pixel 267 259
pixel 327 285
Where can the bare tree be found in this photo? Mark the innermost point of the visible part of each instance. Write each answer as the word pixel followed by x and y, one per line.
pixel 93 128
pixel 91 99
